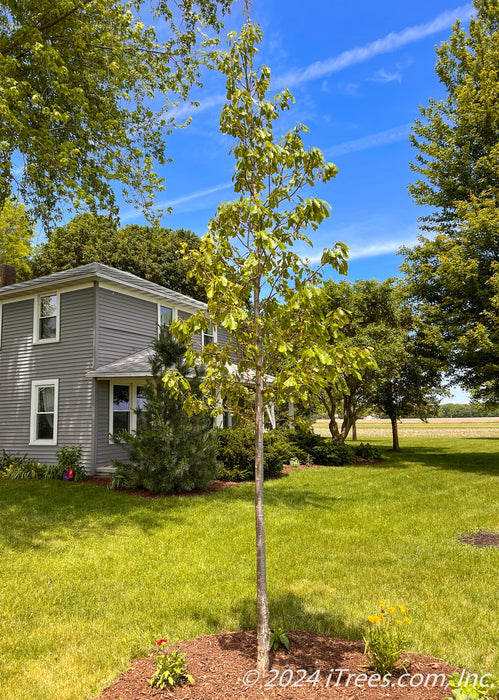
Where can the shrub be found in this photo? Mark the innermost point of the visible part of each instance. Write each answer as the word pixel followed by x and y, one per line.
pixel 322 450
pixel 70 458
pixel 367 451
pixel 236 453
pixel 171 451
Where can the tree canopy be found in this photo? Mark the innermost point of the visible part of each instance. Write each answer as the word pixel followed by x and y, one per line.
pixel 85 88
pixel 151 252
pixel 16 234
pixel 406 377
pixel 453 277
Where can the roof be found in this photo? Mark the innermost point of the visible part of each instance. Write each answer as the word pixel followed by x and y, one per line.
pixel 97 271
pixel 136 365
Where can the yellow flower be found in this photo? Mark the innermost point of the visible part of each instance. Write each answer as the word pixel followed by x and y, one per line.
pixel 399 622
pixel 382 616
pixel 400 608
pixel 374 619
pixel 408 620
pixel 382 603
pixel 392 610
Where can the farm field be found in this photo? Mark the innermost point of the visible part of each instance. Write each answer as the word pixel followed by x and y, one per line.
pixel 413 427
pixel 91 578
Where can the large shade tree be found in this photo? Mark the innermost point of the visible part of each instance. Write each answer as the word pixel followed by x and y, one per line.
pixel 151 252
pixel 407 376
pixel 16 234
pixel 85 88
pixel 281 339
pixel 452 275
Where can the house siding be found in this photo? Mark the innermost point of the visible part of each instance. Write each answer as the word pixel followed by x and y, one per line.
pixel 68 360
pixel 126 325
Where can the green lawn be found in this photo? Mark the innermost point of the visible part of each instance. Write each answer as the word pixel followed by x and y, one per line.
pixel 89 578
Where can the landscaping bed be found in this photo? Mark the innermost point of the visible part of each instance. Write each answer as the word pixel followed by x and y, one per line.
pixel 218 664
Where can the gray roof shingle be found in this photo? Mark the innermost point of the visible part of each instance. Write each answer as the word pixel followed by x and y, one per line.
pixel 97 271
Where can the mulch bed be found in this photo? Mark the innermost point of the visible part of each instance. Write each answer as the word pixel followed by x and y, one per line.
pixel 219 663
pixel 484 538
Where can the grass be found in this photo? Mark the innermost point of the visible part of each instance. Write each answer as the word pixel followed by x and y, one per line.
pixel 89 578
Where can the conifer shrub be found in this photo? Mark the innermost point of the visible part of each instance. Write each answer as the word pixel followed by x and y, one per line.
pixel 171 451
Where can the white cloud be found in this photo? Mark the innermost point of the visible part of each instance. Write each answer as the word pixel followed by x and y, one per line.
pixel 373 250
pixel 381 138
pixel 180 200
pixel 382 76
pixel 321 69
pixel 387 44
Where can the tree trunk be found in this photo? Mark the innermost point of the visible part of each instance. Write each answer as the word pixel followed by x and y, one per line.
pixel 262 604
pixel 330 406
pixel 354 429
pixel 395 433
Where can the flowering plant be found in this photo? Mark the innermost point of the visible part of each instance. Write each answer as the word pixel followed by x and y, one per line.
pixel 386 638
pixel 171 668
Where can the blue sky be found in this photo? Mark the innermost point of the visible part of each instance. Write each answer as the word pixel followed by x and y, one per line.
pixel 358 72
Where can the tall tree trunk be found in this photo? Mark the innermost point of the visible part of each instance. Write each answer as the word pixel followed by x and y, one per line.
pixel 395 433
pixel 354 428
pixel 262 604
pixel 329 402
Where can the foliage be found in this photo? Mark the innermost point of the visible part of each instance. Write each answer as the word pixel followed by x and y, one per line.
pixel 367 451
pixel 251 247
pixel 171 451
pixel 78 82
pixel 471 688
pixel 280 637
pixel 70 458
pixel 171 670
pixel 16 234
pixel 236 453
pixel 407 375
pixel 386 638
pixel 453 277
pixel 150 252
pixel 465 410
pixel 320 450
pixel 16 467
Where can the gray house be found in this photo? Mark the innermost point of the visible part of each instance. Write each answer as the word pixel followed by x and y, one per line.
pixel 74 356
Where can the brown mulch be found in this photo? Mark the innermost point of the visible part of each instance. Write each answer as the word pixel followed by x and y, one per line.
pixel 484 538
pixel 219 663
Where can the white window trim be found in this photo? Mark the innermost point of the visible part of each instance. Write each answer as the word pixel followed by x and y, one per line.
pixel 214 336
pixel 35 385
pixel 133 404
pixel 36 319
pixel 169 306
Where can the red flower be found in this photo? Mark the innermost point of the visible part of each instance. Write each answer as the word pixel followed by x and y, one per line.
pixel 159 642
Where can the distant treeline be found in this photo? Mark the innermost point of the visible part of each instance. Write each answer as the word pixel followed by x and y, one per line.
pixel 466 410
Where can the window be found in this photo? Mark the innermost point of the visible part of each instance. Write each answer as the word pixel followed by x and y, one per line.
pixel 124 400
pixel 209 335
pixel 44 409
pixel 46 322
pixel 165 316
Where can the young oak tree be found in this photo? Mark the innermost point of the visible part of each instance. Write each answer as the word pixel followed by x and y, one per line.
pixel 279 344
